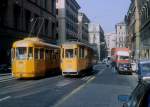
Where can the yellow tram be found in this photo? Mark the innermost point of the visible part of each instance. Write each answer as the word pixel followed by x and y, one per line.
pixel 32 57
pixel 76 57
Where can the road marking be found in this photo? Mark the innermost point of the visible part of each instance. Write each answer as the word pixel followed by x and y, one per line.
pixel 5 98
pixel 58 104
pixel 85 78
pixel 64 83
pixel 101 71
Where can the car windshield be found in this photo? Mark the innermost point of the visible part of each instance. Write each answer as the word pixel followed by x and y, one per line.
pixel 146 67
pixel 124 57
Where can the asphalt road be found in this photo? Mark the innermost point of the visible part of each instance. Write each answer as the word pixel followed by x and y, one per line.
pixel 100 89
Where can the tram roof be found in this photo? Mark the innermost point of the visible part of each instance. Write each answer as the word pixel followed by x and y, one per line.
pixel 77 43
pixel 33 41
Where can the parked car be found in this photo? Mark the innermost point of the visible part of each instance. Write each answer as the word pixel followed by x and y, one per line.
pixel 140 97
pixel 125 68
pixel 144 70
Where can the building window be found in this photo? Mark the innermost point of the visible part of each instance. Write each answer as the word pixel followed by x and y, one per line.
pixel 94 39
pixel 46 27
pixel 57 24
pixel 149 9
pixel 120 27
pixel 53 29
pixel 27 20
pixel 17 16
pixel 57 36
pixel 45 4
pixel 3 7
pixel 36 26
pixel 57 11
pixel 53 6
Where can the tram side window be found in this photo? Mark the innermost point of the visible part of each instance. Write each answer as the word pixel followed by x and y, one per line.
pixel 59 54
pixel 21 53
pixel 41 53
pixel 81 52
pixel 30 54
pixel 86 54
pixel 69 53
pixel 46 54
pixel 36 53
pixel 55 52
pixel 63 53
pixel 76 52
pixel 51 54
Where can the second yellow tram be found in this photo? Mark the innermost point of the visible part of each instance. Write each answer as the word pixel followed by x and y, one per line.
pixel 76 57
pixel 31 57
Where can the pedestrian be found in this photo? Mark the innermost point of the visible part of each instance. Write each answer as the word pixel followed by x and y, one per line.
pixel 108 62
pixel 113 65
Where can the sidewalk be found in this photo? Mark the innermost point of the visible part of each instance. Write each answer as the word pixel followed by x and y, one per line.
pixel 6 77
pixel 4 70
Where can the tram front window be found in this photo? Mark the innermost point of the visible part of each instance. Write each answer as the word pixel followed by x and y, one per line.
pixel 21 53
pixel 69 53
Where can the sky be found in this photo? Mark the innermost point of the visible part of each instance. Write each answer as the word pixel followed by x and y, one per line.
pixel 105 12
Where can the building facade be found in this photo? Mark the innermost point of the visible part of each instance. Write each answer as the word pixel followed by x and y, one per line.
pixel 121 34
pixel 67 16
pixel 130 22
pixel 97 39
pixel 133 28
pixel 110 41
pixel 83 22
pixel 144 12
pixel 139 17
pixel 17 18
